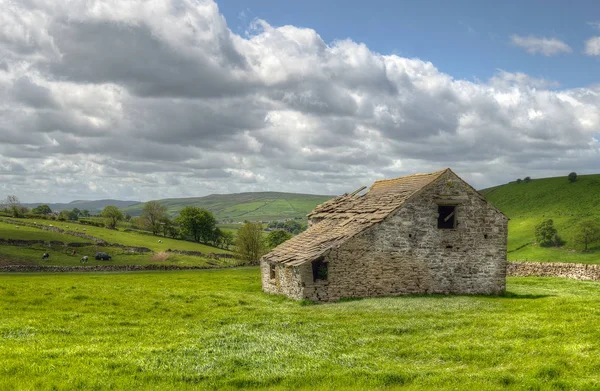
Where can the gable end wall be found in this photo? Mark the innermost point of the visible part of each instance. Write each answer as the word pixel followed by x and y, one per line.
pixel 408 254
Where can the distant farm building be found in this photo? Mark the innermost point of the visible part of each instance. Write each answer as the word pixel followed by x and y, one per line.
pixel 422 233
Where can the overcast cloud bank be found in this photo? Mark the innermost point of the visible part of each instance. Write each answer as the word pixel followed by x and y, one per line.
pixel 146 100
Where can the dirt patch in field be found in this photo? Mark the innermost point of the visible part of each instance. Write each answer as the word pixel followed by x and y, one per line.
pixel 160 257
pixel 8 262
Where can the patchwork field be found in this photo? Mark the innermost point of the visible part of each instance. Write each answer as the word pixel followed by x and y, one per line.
pixel 255 206
pixel 215 329
pixel 62 254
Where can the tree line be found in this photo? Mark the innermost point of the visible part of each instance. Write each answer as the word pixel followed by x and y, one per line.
pixel 11 205
pixel 199 225
pixel 193 223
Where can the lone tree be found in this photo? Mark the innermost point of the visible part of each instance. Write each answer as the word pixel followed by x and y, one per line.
pixel 527 179
pixel 275 238
pixel 73 215
pixel 250 244
pixel 293 227
pixel 112 214
pixel 227 239
pixel 572 177
pixel 197 223
pixel 587 232
pixel 13 206
pixel 43 209
pixel 546 235
pixel 152 216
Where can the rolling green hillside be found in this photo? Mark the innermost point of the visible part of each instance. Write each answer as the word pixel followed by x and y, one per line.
pixel 92 206
pixel 59 245
pixel 527 204
pixel 263 206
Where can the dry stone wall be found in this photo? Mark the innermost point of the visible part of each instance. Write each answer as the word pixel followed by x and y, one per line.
pixel 201 254
pixel 102 268
pixel 408 254
pixel 577 271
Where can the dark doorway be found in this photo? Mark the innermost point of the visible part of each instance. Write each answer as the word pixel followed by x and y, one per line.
pixel 319 269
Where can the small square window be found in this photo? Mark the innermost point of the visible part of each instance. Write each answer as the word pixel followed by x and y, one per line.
pixel 446 216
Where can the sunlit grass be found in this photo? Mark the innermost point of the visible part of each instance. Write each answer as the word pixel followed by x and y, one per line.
pixel 217 330
pixel 262 206
pixel 567 204
pixel 62 255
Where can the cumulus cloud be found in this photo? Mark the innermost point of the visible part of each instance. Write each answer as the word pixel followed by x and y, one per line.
pixel 592 46
pixel 146 100
pixel 540 45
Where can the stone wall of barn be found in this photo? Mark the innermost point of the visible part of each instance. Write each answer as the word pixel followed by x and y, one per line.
pixel 288 280
pixel 409 254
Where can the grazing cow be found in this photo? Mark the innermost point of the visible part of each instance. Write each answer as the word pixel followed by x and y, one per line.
pixel 84 259
pixel 45 256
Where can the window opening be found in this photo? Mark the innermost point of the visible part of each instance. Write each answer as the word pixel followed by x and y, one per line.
pixel 319 269
pixel 272 272
pixel 446 216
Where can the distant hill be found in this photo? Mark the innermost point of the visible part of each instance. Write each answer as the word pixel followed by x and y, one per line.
pixel 527 204
pixel 259 206
pixel 92 206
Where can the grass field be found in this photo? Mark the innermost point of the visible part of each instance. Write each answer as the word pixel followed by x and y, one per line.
pixel 259 206
pixel 528 204
pixel 62 254
pixel 21 232
pixel 114 236
pixel 217 330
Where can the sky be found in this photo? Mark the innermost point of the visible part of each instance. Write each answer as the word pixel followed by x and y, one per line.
pixel 154 99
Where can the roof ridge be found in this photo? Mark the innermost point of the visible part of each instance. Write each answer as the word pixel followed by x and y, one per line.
pixel 412 175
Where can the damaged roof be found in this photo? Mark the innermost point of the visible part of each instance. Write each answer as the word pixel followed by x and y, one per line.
pixel 344 217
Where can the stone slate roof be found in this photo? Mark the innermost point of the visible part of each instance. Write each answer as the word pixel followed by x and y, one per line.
pixel 344 217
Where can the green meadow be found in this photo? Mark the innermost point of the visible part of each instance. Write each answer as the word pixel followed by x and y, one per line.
pixel 528 204
pixel 257 206
pixel 62 255
pixel 215 329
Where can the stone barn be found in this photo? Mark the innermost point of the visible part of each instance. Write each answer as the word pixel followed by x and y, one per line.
pixel 422 233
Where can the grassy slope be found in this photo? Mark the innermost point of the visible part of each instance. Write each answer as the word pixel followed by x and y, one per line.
pixel 527 204
pixel 95 206
pixel 264 206
pixel 60 255
pixel 216 330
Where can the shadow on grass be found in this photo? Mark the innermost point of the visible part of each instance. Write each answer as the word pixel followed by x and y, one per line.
pixel 505 295
pixel 512 295
pixel 432 296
